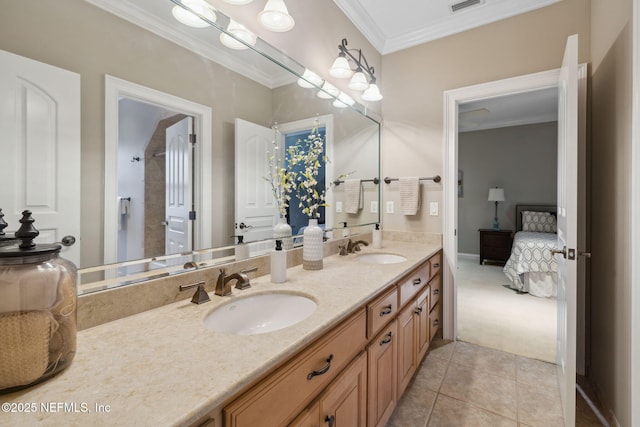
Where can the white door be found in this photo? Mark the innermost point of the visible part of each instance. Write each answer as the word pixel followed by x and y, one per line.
pixel 40 146
pixel 256 212
pixel 568 226
pixel 178 187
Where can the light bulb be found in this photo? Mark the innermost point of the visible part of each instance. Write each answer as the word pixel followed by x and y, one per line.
pixel 275 16
pixel 240 32
pixel 189 18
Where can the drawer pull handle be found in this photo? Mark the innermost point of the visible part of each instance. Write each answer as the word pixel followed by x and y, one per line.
pixel 418 310
pixel 330 420
pixel 436 322
pixel 436 291
pixel 387 310
pixel 417 281
pixel 436 265
pixel 387 340
pixel 323 370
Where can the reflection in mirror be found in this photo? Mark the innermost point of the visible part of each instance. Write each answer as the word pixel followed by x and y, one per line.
pixel 148 47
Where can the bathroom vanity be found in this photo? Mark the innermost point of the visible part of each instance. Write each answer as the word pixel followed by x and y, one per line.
pixel 347 363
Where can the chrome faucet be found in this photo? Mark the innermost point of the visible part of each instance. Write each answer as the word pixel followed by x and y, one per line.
pixel 353 247
pixel 223 284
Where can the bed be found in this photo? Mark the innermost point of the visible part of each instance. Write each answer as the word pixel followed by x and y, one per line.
pixel 532 267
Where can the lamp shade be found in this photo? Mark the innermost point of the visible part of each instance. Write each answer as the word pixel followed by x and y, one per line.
pixel 358 81
pixel 496 195
pixel 310 79
pixel 372 93
pixel 340 68
pixel 189 18
pixel 240 32
pixel 275 16
pixel 328 91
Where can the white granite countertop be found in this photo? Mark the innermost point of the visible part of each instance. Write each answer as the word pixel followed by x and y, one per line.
pixel 163 367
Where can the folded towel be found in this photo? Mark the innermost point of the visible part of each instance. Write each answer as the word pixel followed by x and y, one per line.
pixel 124 207
pixel 353 196
pixel 409 195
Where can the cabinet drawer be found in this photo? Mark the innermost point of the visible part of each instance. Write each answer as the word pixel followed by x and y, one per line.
pixel 434 320
pixel 413 283
pixel 381 311
pixel 434 284
pixel 282 395
pixel 435 263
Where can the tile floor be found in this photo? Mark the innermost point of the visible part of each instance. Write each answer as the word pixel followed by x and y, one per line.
pixel 462 384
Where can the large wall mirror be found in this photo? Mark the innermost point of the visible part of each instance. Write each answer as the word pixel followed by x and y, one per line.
pixel 145 83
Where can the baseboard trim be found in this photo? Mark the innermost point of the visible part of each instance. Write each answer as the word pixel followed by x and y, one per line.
pixel 471 257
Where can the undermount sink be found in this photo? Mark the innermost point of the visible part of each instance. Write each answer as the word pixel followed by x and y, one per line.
pixel 260 313
pixel 380 258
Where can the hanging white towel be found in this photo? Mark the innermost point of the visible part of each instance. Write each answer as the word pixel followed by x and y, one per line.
pixel 124 207
pixel 409 195
pixel 353 196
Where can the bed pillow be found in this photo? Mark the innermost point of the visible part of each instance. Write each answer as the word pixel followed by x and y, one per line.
pixel 542 222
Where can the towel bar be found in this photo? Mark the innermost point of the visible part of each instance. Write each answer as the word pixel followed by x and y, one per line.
pixel 436 178
pixel 374 180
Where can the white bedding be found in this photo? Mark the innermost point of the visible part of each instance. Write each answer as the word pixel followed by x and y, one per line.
pixel 532 267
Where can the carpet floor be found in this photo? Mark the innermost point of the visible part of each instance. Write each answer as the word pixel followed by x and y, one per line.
pixel 493 315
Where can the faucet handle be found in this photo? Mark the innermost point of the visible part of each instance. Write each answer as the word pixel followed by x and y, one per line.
pixel 200 296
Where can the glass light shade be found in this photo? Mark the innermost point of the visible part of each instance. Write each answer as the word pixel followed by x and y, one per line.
pixel 340 68
pixel 239 31
pixel 372 93
pixel 275 16
pixel 343 101
pixel 310 79
pixel 238 2
pixel 329 91
pixel 358 81
pixel 189 18
pixel 496 195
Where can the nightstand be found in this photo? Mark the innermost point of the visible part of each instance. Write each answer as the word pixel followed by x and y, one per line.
pixel 495 245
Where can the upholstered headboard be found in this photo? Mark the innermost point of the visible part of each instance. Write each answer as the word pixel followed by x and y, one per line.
pixel 536 208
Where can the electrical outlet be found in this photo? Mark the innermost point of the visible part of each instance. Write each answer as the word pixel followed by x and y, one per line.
pixel 338 207
pixel 374 206
pixel 389 207
pixel 433 208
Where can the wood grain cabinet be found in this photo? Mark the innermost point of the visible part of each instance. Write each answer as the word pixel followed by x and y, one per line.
pixel 354 375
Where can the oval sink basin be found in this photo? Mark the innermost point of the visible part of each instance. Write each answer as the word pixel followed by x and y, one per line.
pixel 381 258
pixel 259 314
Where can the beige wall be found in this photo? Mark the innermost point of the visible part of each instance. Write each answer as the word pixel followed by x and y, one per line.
pixel 611 102
pixel 415 79
pixel 520 159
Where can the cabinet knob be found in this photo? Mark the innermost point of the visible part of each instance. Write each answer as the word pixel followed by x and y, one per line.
pixel 330 420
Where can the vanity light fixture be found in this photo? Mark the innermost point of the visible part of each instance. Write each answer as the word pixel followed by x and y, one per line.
pixel 362 79
pixel 328 91
pixel 193 19
pixel 240 32
pixel 275 16
pixel 343 101
pixel 310 79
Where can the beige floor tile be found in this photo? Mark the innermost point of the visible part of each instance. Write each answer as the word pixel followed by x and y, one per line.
pixel 539 406
pixel 431 373
pixel 456 413
pixel 442 349
pixel 486 359
pixel 488 391
pixel 414 408
pixel 536 372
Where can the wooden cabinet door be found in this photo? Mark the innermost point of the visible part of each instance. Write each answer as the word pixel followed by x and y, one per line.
pixel 344 403
pixel 382 371
pixel 423 337
pixel 310 417
pixel 406 346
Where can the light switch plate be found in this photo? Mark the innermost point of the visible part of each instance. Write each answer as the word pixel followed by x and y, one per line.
pixel 338 207
pixel 433 208
pixel 389 207
pixel 374 206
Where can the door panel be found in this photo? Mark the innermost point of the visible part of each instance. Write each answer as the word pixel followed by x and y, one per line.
pixel 178 187
pixel 40 128
pixel 567 226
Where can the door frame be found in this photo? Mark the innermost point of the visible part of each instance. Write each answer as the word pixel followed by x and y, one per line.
pixel 452 98
pixel 116 88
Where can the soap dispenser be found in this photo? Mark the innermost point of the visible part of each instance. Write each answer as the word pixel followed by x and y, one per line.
pixel 242 249
pixel 377 237
pixel 278 264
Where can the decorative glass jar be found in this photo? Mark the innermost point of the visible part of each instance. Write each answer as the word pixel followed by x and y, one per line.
pixel 38 297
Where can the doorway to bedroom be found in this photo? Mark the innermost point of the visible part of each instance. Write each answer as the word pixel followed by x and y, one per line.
pixel 507 147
